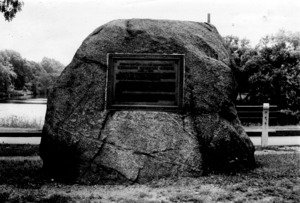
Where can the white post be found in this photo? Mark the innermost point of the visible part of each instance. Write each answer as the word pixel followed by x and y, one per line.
pixel 265 125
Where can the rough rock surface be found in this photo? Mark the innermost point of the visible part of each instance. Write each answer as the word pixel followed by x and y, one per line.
pixel 83 142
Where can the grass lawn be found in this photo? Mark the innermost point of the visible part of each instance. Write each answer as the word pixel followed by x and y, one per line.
pixel 276 179
pixel 14 121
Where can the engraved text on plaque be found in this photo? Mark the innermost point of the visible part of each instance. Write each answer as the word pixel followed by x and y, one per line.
pixel 145 81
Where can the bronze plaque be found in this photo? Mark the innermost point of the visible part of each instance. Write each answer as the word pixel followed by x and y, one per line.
pixel 145 81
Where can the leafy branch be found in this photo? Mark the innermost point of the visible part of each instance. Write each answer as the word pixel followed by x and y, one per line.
pixel 9 8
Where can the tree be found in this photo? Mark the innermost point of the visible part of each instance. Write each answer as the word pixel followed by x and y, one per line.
pixel 7 75
pixel 270 72
pixel 240 51
pixel 52 66
pixel 291 40
pixel 9 8
pixel 18 63
pixel 274 74
pixel 42 84
pixel 238 48
pixel 17 73
pixel 281 52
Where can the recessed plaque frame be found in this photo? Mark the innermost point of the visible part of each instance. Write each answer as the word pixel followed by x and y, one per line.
pixel 145 81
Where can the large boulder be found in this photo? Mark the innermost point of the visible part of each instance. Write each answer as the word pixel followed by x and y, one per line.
pixel 84 142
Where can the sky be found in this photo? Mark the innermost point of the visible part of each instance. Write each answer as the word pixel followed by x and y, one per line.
pixel 56 28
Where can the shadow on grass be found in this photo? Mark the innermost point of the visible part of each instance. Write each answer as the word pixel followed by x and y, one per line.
pixel 19 150
pixel 22 172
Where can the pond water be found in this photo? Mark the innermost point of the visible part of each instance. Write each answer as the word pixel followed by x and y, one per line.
pixel 25 110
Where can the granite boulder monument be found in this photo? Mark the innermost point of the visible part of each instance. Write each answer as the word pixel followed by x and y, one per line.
pixel 145 99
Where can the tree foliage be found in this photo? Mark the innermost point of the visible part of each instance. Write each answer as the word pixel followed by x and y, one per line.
pixel 51 65
pixel 270 72
pixel 9 8
pixel 17 73
pixel 7 75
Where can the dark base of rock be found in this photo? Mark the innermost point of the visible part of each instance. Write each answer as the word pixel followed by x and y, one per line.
pixel 226 148
pixel 134 146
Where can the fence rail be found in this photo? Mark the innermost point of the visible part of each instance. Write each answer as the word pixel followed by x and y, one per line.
pixel 253 114
pixel 264 115
pixel 25 133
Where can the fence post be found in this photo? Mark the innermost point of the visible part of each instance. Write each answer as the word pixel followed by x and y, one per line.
pixel 265 125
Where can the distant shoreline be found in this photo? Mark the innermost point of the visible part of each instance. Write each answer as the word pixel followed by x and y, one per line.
pixel 18 130
pixel 19 93
pixel 16 93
